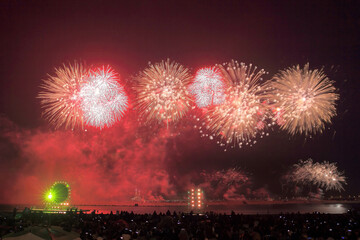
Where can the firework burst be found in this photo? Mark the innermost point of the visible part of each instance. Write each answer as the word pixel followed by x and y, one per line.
pixel 162 92
pixel 103 98
pixel 208 87
pixel 304 100
pixel 60 96
pixel 243 113
pixel 76 97
pixel 324 175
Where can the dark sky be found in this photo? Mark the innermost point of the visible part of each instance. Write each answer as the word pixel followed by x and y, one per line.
pixel 37 36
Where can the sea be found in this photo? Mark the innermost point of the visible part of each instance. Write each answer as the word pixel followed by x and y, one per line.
pixel 246 209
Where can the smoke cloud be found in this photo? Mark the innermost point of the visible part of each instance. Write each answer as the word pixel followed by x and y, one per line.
pixel 108 166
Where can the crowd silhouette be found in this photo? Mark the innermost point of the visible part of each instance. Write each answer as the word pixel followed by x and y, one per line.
pixel 176 225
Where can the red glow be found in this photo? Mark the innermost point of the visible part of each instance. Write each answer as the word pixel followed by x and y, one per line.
pixel 103 167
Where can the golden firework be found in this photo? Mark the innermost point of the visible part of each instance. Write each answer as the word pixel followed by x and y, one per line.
pixel 60 96
pixel 162 92
pixel 243 113
pixel 303 100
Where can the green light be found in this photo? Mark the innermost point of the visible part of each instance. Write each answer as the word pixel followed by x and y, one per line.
pixel 59 193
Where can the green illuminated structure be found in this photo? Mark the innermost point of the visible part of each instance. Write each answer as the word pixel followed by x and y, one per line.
pixel 58 195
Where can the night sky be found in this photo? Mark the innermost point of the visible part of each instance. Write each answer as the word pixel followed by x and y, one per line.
pixel 106 166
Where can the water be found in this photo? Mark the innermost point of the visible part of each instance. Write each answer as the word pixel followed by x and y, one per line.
pixel 337 208
pixel 332 208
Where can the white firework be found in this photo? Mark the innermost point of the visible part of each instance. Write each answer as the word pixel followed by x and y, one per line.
pixel 208 87
pixel 103 98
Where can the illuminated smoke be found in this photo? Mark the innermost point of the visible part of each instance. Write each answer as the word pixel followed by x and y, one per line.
pixel 219 184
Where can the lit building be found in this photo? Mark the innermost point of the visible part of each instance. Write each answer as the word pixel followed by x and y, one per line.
pixel 196 198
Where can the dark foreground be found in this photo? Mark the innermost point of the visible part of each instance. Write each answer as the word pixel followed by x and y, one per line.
pixel 125 225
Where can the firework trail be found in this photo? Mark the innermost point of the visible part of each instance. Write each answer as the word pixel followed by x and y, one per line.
pixel 243 113
pixel 162 92
pixel 303 100
pixel 103 98
pixel 60 96
pixel 208 87
pixel 76 97
pixel 324 175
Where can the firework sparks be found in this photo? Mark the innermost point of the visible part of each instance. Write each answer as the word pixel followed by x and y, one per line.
pixel 103 98
pixel 242 115
pixel 60 96
pixel 76 97
pixel 162 93
pixel 227 177
pixel 304 100
pixel 324 175
pixel 208 87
